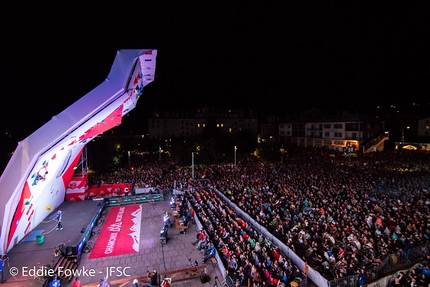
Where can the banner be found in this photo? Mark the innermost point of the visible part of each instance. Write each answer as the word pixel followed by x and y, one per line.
pixel 120 233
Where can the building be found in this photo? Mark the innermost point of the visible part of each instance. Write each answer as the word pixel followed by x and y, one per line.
pixel 345 132
pixel 268 129
pixel 169 123
pixel 415 134
pixel 424 127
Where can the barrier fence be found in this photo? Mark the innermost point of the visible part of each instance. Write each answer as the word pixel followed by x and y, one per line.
pixel 349 281
pixel 220 265
pixel 401 259
pixel 312 274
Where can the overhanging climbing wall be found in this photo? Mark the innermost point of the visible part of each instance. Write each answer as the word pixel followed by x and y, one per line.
pixel 36 177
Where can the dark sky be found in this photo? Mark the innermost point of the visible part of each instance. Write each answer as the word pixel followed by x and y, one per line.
pixel 270 55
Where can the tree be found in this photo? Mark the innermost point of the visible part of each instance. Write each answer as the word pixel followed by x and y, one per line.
pixel 180 150
pixel 209 152
pixel 104 156
pixel 269 152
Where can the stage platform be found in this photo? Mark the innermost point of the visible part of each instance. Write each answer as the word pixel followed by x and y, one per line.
pixel 27 253
pixel 152 255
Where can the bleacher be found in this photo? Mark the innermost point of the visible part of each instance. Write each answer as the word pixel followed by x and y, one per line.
pixel 65 267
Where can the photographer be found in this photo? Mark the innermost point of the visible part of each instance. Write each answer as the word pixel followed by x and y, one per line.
pixel 152 276
pixel 1 269
pixel 55 282
pixel 103 283
pixel 166 282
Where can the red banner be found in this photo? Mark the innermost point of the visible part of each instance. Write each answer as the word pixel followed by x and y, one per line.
pixel 120 233
pixel 77 188
pixel 108 189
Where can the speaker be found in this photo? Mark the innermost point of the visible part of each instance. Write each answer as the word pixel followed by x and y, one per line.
pixel 204 278
pixel 71 251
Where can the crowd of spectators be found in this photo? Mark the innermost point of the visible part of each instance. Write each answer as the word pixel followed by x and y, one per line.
pixel 247 254
pixel 343 215
pixel 415 277
pixel 162 175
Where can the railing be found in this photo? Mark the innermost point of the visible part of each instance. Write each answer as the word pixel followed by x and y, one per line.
pixel 391 263
pixel 374 141
pixel 184 274
pixel 221 267
pixel 350 281
pixel 386 281
pixel 401 259
pixel 312 274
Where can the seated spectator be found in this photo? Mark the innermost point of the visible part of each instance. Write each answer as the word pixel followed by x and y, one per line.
pixel 211 254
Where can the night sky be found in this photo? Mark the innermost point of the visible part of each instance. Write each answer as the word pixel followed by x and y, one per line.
pixel 275 56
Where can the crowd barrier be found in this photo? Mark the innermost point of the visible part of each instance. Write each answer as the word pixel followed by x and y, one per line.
pixel 220 265
pixel 141 198
pixel 87 232
pixel 145 190
pixel 349 281
pixel 106 190
pixel 400 259
pixel 382 282
pixel 177 192
pixel 311 273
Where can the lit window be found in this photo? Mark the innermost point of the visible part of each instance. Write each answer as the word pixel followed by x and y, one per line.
pixel 198 125
pixel 427 127
pixel 222 125
pixel 229 130
pixel 217 125
pixel 204 125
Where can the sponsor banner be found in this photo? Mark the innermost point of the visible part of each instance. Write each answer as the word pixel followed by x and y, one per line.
pixel 107 189
pixel 78 184
pixel 135 199
pixel 76 196
pixel 120 233
pixel 145 190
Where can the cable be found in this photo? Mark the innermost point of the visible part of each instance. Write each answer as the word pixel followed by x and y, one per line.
pixel 216 282
pixel 164 262
pixel 48 220
pixel 44 233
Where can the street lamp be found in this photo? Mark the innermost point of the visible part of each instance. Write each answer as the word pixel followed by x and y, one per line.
pixel 235 148
pixel 192 163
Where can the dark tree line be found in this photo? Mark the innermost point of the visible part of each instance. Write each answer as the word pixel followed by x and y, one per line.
pixel 110 153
